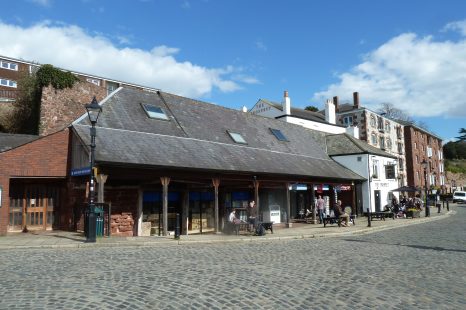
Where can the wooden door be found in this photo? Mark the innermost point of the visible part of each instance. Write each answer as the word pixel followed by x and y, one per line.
pixel 32 207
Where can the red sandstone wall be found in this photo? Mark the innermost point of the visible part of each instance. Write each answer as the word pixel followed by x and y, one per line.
pixel 59 108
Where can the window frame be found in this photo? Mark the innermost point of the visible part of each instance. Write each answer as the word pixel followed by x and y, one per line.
pixel 234 135
pixel 153 114
pixel 279 134
pixel 9 65
pixel 9 83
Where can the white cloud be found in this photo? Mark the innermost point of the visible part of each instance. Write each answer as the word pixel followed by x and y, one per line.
pixel 70 47
pixel 459 26
pixel 260 45
pixel 418 75
pixel 42 2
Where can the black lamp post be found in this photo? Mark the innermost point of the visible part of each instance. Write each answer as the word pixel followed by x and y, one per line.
pixel 424 165
pixel 93 111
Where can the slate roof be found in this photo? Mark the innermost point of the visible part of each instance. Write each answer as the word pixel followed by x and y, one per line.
pixel 9 141
pixel 344 144
pixel 195 137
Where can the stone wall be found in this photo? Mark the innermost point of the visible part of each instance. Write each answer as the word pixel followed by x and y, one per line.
pixel 59 108
pixel 122 224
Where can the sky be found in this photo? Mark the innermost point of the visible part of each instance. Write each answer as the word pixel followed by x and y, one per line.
pixel 411 54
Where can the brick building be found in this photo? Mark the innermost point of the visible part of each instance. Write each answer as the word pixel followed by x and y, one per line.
pixel 423 145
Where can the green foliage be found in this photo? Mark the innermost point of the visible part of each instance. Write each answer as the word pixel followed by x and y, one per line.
pixel 455 150
pixel 48 75
pixel 311 108
pixel 462 133
pixel 27 106
pixel 455 166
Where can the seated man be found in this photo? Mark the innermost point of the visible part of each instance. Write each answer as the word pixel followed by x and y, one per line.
pixel 339 213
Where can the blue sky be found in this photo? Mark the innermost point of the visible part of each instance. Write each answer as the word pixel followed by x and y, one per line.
pixel 411 54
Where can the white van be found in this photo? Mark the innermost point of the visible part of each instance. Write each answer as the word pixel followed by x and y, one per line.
pixel 459 196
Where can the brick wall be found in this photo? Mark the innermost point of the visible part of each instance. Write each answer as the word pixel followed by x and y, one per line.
pixel 59 108
pixel 45 157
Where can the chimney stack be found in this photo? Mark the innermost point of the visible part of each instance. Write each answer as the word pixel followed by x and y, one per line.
pixel 356 100
pixel 335 102
pixel 330 111
pixel 286 103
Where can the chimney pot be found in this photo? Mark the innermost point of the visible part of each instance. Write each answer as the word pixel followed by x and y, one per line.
pixel 285 94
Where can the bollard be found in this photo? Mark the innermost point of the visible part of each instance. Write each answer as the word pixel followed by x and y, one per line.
pixel 443 204
pixel 427 210
pixel 177 226
pixel 368 217
pixel 438 207
pixel 448 205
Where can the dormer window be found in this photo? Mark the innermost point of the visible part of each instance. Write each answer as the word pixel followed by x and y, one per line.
pixel 237 137
pixel 278 134
pixel 154 112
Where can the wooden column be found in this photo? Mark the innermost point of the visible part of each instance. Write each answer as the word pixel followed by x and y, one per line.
pixel 165 181
pixel 101 179
pixel 185 215
pixel 313 199
pixel 288 206
pixel 216 183
pixel 354 208
pixel 256 195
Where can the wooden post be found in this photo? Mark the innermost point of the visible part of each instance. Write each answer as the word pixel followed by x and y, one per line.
pixel 216 183
pixel 256 194
pixel 288 206
pixel 101 179
pixel 165 181
pixel 185 213
pixel 354 209
pixel 313 199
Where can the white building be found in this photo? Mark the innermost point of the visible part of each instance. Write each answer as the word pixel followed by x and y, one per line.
pixel 376 130
pixel 377 166
pixel 312 120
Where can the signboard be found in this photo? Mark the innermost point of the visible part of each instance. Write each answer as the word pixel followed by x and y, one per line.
pixel 80 171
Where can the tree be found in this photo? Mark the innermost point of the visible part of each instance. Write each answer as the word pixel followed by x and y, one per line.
pixel 311 108
pixel 462 133
pixel 389 111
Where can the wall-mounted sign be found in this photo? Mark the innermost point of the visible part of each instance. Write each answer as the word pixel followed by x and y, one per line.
pixel 80 171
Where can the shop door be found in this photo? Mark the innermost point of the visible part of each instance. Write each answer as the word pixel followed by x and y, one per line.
pixel 377 200
pixel 32 207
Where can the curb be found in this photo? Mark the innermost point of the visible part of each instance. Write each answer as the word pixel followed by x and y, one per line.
pixel 173 242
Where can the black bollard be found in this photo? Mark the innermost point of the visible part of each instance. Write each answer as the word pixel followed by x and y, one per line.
pixel 177 226
pixel 443 204
pixel 438 207
pixel 368 217
pixel 427 210
pixel 448 205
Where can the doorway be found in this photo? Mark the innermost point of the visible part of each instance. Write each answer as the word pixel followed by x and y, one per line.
pixel 377 201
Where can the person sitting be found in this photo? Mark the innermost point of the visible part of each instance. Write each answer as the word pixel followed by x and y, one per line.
pixel 232 218
pixel 339 213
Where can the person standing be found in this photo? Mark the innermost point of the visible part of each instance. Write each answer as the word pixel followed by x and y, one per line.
pixel 252 214
pixel 320 204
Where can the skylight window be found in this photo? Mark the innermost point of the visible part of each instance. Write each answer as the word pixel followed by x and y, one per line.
pixel 154 112
pixel 278 134
pixel 237 137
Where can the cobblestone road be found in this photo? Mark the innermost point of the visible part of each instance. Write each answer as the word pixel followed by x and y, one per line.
pixel 414 267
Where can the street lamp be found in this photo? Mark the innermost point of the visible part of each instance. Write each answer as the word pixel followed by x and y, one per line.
pixel 424 165
pixel 93 111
